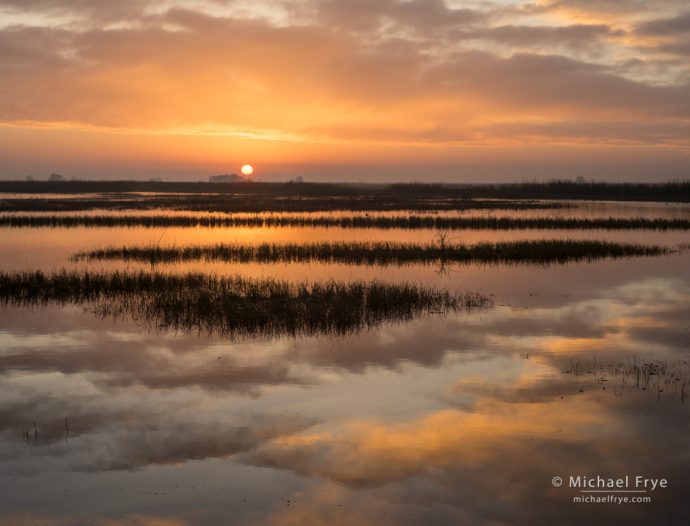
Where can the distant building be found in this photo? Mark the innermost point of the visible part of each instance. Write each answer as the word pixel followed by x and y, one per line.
pixel 56 177
pixel 155 180
pixel 580 180
pixel 225 178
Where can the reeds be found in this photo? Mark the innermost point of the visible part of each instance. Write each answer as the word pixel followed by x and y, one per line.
pixel 235 306
pixel 265 203
pixel 382 253
pixel 408 222
pixel 672 380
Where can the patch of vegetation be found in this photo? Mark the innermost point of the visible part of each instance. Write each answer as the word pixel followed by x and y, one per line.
pixel 235 306
pixel 668 380
pixel 382 253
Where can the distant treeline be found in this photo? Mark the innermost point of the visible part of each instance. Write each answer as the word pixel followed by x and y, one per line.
pixel 382 253
pixel 406 222
pixel 678 191
pixel 234 305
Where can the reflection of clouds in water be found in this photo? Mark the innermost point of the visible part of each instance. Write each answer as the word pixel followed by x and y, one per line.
pixel 366 453
pixel 80 427
pixel 333 505
pixel 496 463
pixel 120 358
pixel 483 449
pixel 604 324
pixel 174 441
pixel 123 358
pixel 102 438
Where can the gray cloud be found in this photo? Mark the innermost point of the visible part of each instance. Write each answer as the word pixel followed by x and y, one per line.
pixel 615 6
pixel 575 36
pixel 370 14
pixel 666 26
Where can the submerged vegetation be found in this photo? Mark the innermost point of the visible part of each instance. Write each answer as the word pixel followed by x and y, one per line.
pixel 408 222
pixel 235 306
pixel 382 253
pixel 670 380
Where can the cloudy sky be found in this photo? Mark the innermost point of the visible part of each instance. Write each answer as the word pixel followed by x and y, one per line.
pixel 346 89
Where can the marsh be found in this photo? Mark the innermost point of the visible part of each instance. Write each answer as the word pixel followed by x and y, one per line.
pixel 306 371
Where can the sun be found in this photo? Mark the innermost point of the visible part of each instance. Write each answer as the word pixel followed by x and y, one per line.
pixel 247 169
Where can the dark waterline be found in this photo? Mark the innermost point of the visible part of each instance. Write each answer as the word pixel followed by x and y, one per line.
pixel 406 222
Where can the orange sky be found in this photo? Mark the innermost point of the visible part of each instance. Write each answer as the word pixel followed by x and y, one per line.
pixel 345 89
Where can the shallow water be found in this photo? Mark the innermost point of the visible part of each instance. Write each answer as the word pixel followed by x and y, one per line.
pixel 446 419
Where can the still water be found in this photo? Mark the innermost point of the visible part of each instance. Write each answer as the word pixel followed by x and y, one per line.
pixel 461 418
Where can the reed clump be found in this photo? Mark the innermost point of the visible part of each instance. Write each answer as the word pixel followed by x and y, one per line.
pixel 381 253
pixel 235 305
pixel 407 222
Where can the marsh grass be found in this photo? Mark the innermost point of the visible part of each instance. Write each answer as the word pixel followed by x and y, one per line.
pixel 381 253
pixel 408 222
pixel 266 203
pixel 671 380
pixel 235 306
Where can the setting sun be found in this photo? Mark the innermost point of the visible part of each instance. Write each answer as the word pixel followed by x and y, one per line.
pixel 247 169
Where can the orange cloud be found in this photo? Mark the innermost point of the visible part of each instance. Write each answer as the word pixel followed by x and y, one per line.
pixel 351 81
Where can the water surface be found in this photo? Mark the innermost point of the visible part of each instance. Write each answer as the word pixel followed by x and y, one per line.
pixel 445 419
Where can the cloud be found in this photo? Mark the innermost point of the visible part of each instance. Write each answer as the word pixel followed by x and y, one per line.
pixel 666 26
pixel 526 83
pixel 421 15
pixel 84 11
pixel 349 78
pixel 629 7
pixel 33 519
pixel 574 36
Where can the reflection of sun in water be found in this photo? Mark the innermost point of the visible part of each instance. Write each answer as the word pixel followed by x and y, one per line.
pixel 247 169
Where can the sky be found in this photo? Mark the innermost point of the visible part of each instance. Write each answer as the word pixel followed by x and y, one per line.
pixel 346 90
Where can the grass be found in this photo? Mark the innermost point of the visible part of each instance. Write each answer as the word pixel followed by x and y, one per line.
pixel 408 222
pixel 382 253
pixel 234 306
pixel 675 191
pixel 264 203
pixel 657 376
